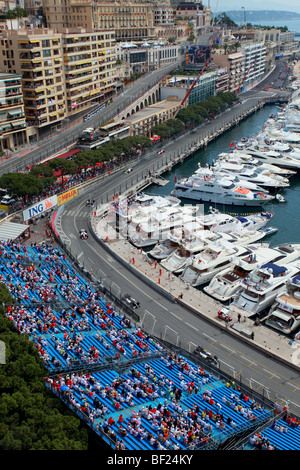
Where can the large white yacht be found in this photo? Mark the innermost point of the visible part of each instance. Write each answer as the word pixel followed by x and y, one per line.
pixel 174 238
pixel 176 261
pixel 242 157
pixel 217 221
pixel 225 284
pixel 219 190
pixel 123 210
pixel 202 268
pixel 210 171
pixel 258 291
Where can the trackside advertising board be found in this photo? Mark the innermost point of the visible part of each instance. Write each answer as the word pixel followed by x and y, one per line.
pixel 39 208
pixel 67 196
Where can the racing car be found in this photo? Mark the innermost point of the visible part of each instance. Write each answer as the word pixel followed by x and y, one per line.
pixel 83 234
pixel 90 202
pixel 205 355
pixel 131 301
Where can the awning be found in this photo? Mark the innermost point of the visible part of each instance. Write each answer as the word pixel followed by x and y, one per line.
pixel 17 111
pixel 12 231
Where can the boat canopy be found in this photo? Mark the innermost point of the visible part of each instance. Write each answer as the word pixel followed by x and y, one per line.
pixel 277 270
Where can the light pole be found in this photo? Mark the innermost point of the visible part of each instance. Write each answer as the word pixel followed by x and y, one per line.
pixel 243 8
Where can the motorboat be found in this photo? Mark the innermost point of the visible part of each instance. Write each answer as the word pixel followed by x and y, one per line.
pixel 218 190
pixel 209 172
pixel 274 158
pixel 202 268
pixel 249 159
pixel 225 284
pixel 124 209
pixel 258 291
pixel 284 314
pixel 217 221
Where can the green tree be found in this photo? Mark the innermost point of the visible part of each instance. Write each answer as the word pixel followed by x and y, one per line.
pixel 21 184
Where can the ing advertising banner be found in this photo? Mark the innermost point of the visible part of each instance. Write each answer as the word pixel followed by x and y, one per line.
pixel 39 208
pixel 67 196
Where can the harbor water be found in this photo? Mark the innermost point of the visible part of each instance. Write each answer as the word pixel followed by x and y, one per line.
pixel 286 215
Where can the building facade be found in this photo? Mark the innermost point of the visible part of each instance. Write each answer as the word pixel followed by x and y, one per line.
pixel 178 86
pixel 13 130
pixel 130 21
pixel 255 64
pixel 235 65
pixel 144 120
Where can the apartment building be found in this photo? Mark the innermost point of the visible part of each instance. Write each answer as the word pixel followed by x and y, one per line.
pixel 222 80
pixel 145 57
pixel 62 73
pixel 13 131
pixel 129 20
pixel 37 56
pixel 89 67
pixel 255 63
pixel 235 65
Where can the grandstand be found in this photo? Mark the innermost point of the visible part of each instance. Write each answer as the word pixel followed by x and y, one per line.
pixel 133 391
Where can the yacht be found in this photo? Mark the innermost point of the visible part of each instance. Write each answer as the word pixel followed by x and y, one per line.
pixel 262 178
pixel 217 221
pixel 176 261
pixel 225 284
pixel 203 267
pixel 241 157
pixel 273 157
pixel 122 211
pixel 150 230
pixel 219 190
pixel 174 238
pixel 284 314
pixel 209 172
pixel 258 291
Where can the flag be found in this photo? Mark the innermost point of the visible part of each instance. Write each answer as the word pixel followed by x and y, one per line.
pixel 231 144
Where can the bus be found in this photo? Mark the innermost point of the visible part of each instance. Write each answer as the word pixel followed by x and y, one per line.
pixel 91 139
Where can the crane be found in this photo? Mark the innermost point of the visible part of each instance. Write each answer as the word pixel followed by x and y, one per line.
pixel 194 83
